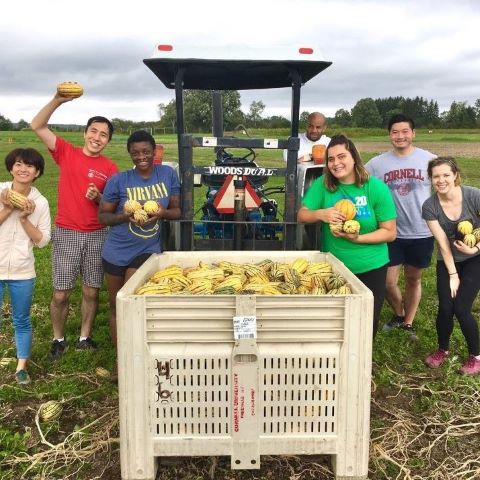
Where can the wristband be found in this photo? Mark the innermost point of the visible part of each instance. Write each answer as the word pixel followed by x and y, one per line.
pixel 454 273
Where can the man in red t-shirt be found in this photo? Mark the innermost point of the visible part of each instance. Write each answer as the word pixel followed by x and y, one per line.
pixel 78 237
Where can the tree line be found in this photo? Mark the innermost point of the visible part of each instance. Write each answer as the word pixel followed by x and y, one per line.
pixel 366 113
pixel 198 113
pixel 369 112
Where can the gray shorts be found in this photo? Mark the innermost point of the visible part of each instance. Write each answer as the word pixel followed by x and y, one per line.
pixel 77 254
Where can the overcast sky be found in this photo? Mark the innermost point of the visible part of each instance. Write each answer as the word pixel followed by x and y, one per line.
pixel 378 49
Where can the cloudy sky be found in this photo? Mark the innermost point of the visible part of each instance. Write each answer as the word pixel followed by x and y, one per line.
pixel 379 48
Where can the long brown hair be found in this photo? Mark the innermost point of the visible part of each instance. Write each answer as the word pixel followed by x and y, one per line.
pixel 361 174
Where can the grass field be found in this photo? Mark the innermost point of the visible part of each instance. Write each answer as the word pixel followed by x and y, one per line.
pixel 425 424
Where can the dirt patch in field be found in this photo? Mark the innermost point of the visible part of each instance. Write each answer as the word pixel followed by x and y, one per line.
pixel 439 148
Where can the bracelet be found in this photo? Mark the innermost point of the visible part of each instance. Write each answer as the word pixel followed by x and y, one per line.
pixel 477 247
pixel 454 273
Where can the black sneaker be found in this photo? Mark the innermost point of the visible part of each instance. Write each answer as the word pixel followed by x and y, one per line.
pixel 410 331
pixel 407 327
pixel 395 322
pixel 86 344
pixel 59 347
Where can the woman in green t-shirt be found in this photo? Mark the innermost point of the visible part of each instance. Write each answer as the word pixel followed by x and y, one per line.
pixel 364 253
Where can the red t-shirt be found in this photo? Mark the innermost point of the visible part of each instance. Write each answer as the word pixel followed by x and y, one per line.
pixel 74 210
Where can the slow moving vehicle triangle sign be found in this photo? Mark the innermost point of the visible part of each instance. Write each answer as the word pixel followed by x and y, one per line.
pixel 225 198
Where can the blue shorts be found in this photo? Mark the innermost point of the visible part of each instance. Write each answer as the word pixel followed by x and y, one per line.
pixel 416 252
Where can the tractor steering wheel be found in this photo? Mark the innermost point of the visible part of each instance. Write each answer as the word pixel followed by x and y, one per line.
pixel 223 156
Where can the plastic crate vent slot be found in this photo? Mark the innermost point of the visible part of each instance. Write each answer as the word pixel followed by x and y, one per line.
pixel 299 395
pixel 198 401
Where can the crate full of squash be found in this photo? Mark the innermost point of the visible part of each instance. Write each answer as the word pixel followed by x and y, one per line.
pixel 265 277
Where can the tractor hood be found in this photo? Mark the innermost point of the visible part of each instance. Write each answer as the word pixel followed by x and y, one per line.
pixel 231 68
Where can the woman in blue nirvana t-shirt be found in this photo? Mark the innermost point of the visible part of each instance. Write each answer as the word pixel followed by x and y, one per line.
pixel 130 241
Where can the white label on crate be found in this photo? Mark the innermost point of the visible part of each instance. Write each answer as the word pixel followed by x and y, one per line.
pixel 245 326
pixel 209 141
pixel 270 143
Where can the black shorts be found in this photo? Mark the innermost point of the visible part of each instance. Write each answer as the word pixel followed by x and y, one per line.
pixel 119 270
pixel 416 252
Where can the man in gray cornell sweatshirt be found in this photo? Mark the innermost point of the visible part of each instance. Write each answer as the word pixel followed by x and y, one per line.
pixel 404 170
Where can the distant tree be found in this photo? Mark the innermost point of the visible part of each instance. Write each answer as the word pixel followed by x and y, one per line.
pixel 365 114
pixel 424 113
pixel 22 124
pixel 255 113
pixel 343 118
pixel 232 113
pixel 197 106
pixel 161 108
pixel 432 114
pixel 5 123
pixel 304 118
pixel 275 121
pixel 388 115
pixel 461 115
pixel 198 110
pixel 169 117
pixel 121 125
pixel 416 108
pixel 443 118
pixel 476 107
pixel 388 107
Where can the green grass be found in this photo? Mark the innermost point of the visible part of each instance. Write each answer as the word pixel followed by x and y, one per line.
pixel 397 360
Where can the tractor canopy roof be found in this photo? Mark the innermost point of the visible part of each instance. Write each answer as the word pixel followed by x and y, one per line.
pixel 235 68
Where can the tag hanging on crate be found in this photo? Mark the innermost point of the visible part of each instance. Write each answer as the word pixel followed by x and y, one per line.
pixel 244 327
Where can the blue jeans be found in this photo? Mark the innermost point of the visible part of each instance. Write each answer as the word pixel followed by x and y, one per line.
pixel 21 293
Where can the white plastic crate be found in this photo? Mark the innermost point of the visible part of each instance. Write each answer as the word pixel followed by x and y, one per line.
pixel 188 388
